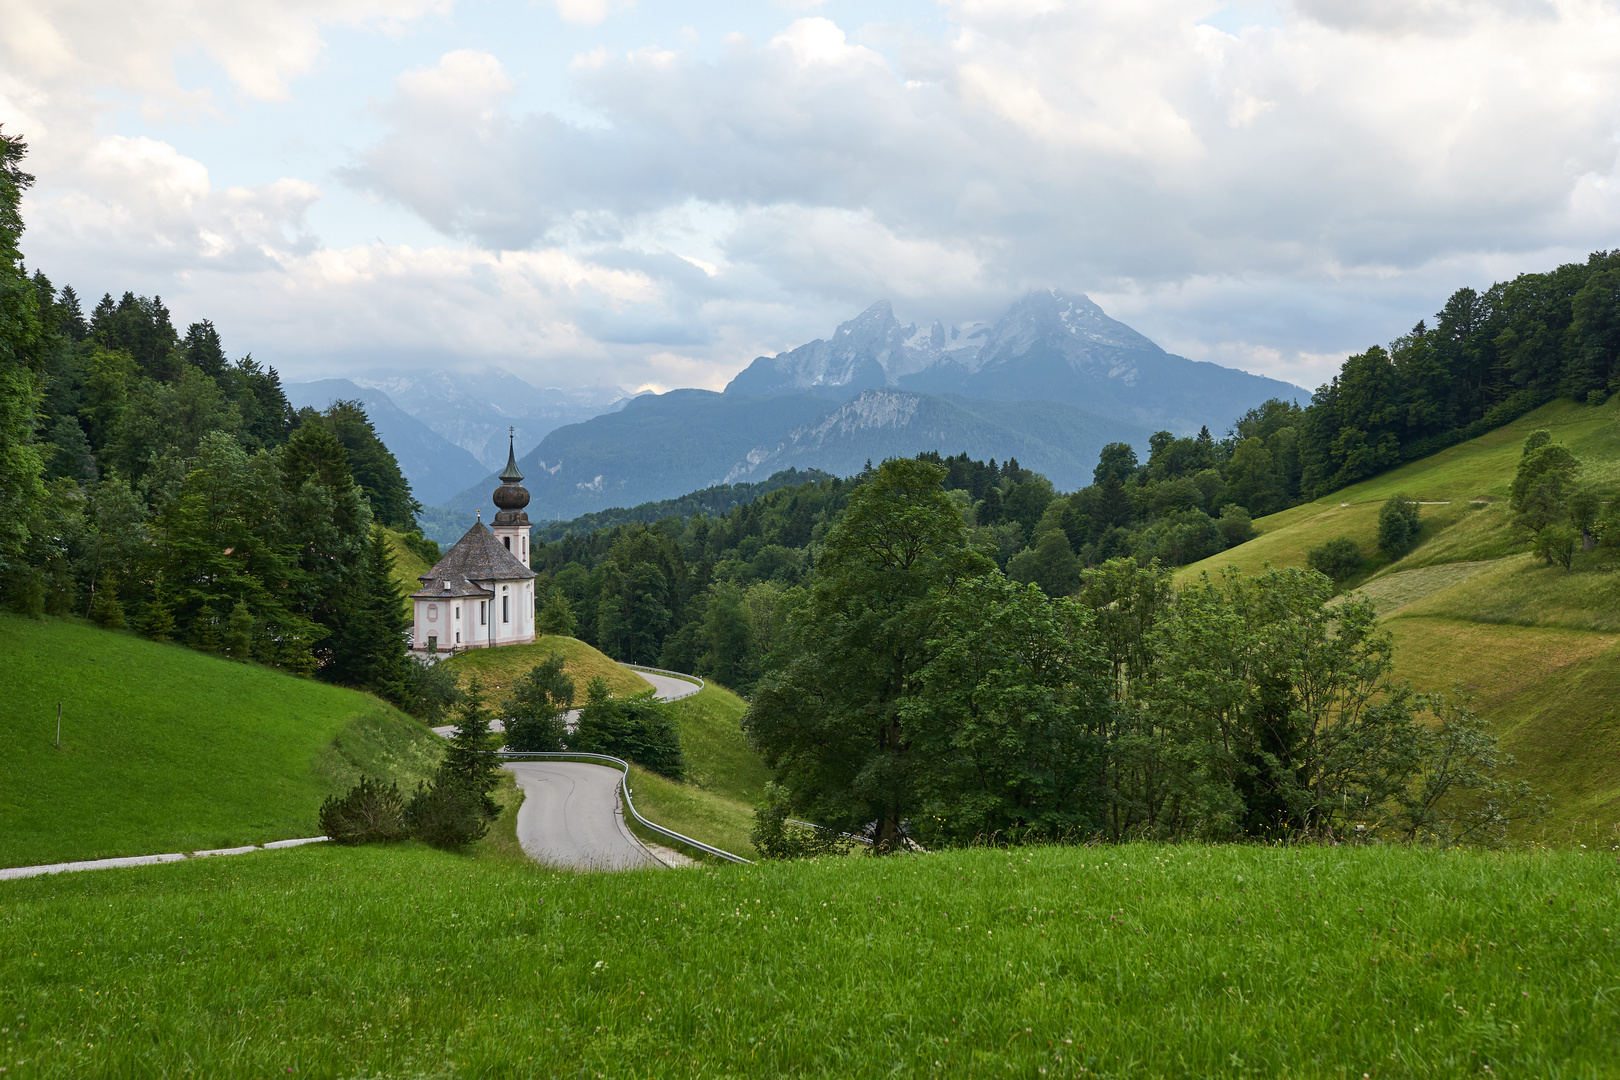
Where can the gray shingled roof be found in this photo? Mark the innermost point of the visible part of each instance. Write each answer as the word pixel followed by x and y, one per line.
pixel 448 587
pixel 478 556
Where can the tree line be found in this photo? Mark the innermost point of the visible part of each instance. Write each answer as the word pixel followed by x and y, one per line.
pixel 919 694
pixel 149 482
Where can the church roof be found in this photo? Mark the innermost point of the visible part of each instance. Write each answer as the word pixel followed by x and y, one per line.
pixel 449 587
pixel 478 556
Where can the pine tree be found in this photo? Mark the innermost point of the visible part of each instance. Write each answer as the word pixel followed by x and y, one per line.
pixel 369 649
pixel 471 763
pixel 105 610
pixel 239 632
pixel 157 621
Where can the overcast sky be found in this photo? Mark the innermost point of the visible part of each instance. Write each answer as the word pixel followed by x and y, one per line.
pixel 650 194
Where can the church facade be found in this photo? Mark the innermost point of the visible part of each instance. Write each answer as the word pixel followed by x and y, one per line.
pixel 481 594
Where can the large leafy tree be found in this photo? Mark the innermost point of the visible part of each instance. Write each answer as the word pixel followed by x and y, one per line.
pixel 1280 705
pixel 831 722
pixel 1009 715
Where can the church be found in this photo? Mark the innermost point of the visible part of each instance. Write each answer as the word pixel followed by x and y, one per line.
pixel 481 594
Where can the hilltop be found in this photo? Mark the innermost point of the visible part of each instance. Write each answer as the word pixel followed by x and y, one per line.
pixel 1538 646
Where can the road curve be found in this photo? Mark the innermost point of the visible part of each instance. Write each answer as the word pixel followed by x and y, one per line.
pixel 571 817
pixel 571 814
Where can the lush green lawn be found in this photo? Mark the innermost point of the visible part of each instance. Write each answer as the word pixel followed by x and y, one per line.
pixel 1134 961
pixel 498 668
pixel 166 749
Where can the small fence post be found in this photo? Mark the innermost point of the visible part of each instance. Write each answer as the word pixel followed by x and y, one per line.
pixel 59 725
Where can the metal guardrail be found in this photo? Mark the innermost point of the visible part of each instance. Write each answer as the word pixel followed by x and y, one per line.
pixel 664 671
pixel 867 840
pixel 624 787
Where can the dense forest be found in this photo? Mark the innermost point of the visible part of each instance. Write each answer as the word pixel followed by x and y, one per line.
pixel 151 482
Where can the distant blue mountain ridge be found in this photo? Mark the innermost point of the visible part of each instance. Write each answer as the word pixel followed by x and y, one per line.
pixel 1050 383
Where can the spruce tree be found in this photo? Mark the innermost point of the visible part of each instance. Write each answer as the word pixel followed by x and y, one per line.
pixel 239 632
pixel 105 610
pixel 471 763
pixel 157 621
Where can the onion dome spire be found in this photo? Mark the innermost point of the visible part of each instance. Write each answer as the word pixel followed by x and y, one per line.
pixel 511 496
pixel 511 474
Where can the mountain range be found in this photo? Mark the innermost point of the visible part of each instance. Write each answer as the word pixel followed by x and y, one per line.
pixel 437 468
pixel 1049 346
pixel 1050 382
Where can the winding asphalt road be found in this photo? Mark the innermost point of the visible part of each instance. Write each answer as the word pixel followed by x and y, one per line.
pixel 571 814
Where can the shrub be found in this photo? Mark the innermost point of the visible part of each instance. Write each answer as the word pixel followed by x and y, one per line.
pixel 447 814
pixel 369 813
pixel 639 729
pixel 775 837
pixel 431 691
pixel 1398 526
pixel 1338 558
pixel 535 711
pixel 1235 525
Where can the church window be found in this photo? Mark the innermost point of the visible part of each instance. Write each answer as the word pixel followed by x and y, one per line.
pixel 507 540
pixel 483 613
pixel 506 609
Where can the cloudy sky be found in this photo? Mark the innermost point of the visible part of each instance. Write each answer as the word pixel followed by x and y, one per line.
pixel 641 193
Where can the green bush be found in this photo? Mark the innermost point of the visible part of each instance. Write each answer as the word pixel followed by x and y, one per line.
pixel 369 813
pixel 639 729
pixel 447 814
pixel 1338 558
pixel 1398 525
pixel 534 713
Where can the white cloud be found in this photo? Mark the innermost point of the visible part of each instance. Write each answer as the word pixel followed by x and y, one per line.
pixel 1315 182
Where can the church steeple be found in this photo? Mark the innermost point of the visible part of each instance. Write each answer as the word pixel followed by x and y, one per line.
pixel 511 524
pixel 511 474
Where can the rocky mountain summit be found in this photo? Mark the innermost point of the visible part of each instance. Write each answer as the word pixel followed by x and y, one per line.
pixel 1049 346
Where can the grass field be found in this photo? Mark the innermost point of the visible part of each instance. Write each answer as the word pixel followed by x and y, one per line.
pixel 1482 468
pixel 408 566
pixel 1133 961
pixel 166 749
pixel 1540 647
pixel 498 668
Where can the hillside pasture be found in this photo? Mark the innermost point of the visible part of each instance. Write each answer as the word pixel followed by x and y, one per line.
pixel 165 749
pixel 499 668
pixel 1129 961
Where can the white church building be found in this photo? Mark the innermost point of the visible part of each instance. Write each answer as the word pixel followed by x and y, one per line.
pixel 481 594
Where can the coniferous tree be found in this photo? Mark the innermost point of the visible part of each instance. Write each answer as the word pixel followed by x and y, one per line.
pixel 21 339
pixel 238 639
pixel 471 763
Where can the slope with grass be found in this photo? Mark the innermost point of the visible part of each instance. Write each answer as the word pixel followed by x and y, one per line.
pixel 499 668
pixel 1538 646
pixel 1129 961
pixel 725 778
pixel 166 749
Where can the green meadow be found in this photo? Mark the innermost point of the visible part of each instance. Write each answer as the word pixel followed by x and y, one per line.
pixel 1539 647
pixel 1133 961
pixel 165 749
